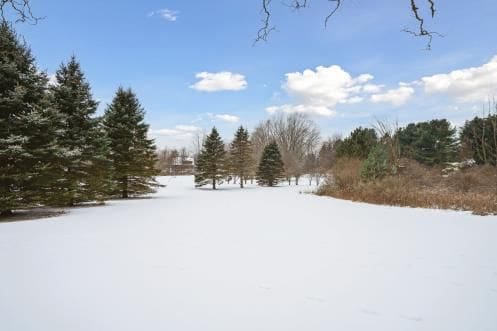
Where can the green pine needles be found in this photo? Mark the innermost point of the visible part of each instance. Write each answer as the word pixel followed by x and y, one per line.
pixel 28 148
pixel 241 155
pixel 211 162
pixel 271 168
pixel 133 155
pixel 54 150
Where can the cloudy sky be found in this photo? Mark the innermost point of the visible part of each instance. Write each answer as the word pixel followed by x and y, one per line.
pixel 193 63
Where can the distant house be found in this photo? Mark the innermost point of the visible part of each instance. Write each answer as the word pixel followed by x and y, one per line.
pixel 179 166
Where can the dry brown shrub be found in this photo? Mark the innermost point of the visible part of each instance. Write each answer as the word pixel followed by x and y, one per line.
pixel 473 189
pixel 480 179
pixel 346 173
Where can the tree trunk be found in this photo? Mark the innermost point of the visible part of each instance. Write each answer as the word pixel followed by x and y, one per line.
pixel 125 188
pixel 213 183
pixel 6 213
pixel 241 181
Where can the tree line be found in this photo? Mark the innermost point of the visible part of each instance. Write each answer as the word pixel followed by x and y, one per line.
pixel 431 143
pixel 54 150
pixel 278 149
pixel 295 141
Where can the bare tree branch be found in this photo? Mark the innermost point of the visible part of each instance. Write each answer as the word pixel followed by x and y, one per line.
pixel 422 32
pixel 265 30
pixel 338 4
pixel 20 8
pixel 432 7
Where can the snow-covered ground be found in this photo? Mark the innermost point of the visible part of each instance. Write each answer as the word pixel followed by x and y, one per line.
pixel 252 259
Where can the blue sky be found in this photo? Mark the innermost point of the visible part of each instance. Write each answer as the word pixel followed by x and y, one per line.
pixel 344 76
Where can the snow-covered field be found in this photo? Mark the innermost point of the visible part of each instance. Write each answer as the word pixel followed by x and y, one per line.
pixel 252 259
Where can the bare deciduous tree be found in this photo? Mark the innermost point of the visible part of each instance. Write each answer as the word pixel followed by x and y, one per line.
pixel 197 143
pixel 388 133
pixel 296 136
pixel 327 154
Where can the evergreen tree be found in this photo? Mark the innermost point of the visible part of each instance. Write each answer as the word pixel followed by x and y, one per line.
pixel 241 154
pixel 28 149
pixel 358 144
pixel 271 168
pixel 85 168
pixel 376 165
pixel 479 136
pixel 211 162
pixel 133 155
pixel 430 142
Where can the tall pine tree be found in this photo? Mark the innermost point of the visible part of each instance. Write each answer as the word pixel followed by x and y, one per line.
pixel 28 149
pixel 271 169
pixel 85 168
pixel 241 154
pixel 133 155
pixel 210 166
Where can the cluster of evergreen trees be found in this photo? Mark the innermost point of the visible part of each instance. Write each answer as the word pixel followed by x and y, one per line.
pixel 434 142
pixel 430 143
pixel 53 149
pixel 214 164
pixel 479 138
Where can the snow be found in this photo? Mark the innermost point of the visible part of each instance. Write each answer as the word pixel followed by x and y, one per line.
pixel 252 259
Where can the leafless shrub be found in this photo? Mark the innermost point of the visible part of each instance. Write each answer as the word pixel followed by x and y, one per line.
pixel 473 189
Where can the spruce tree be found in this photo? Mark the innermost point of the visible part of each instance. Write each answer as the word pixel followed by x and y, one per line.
pixel 271 168
pixel 430 143
pixel 133 155
pixel 86 168
pixel 241 154
pixel 210 166
pixel 28 149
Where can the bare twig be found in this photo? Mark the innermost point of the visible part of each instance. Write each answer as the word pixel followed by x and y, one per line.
pixel 337 6
pixel 422 32
pixel 20 8
pixel 265 30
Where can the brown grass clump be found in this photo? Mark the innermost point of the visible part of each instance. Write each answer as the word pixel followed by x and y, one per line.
pixel 346 174
pixel 473 189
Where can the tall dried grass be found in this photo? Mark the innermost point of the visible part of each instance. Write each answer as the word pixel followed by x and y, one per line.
pixel 473 189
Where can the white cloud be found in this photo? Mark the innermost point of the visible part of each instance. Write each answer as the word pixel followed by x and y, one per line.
pixel 175 137
pixel 167 14
pixel 227 118
pixel 179 131
pixel 326 85
pixel 355 99
pixel 466 85
pixel 396 97
pixel 372 88
pixel 220 81
pixel 302 108
pixel 319 91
